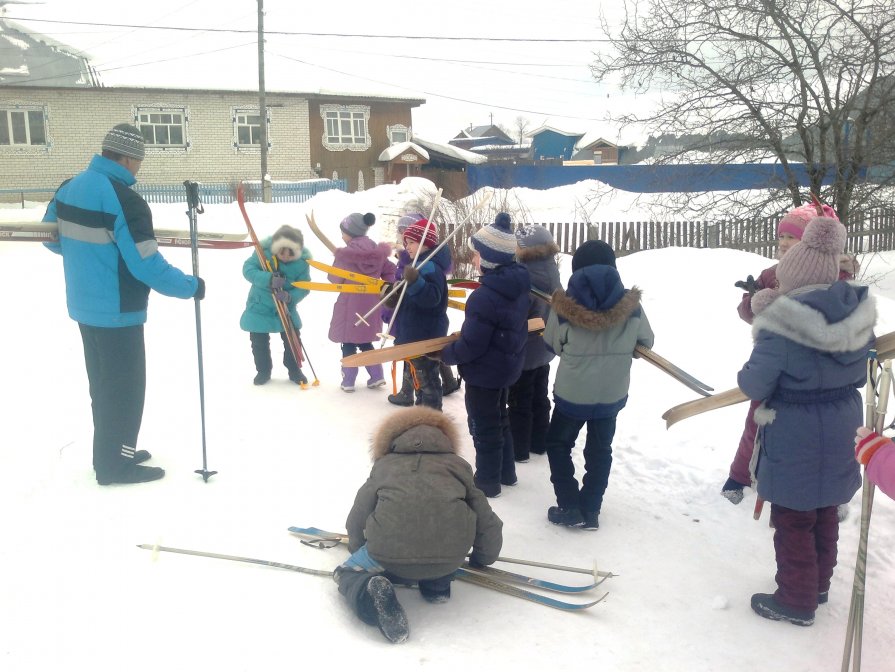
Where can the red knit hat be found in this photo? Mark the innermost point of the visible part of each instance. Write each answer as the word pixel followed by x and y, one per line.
pixel 417 230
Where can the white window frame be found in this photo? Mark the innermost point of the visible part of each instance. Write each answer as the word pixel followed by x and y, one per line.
pixel 143 117
pixel 337 136
pixel 391 131
pixel 238 115
pixel 25 111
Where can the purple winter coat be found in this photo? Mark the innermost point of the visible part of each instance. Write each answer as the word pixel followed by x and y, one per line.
pixel 360 255
pixel 807 363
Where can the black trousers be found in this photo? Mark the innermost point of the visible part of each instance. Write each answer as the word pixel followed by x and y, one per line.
pixel 116 371
pixel 529 404
pixel 489 426
pixel 261 353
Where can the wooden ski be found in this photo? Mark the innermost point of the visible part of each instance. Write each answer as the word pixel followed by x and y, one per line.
pixel 46 232
pixel 312 223
pixel 415 349
pixel 674 371
pixel 885 347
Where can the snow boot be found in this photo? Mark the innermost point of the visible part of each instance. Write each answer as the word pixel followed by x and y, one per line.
pixel 591 520
pixel 732 491
pixel 824 597
pixel 377 376
pixel 349 375
pixel 449 382
pixel 298 377
pixel 390 616
pixel 490 489
pixel 567 517
pixel 131 473
pixel 400 399
pixel 433 593
pixel 142 456
pixel 261 377
pixel 767 606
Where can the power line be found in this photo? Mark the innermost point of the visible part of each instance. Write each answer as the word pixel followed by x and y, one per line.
pixel 456 38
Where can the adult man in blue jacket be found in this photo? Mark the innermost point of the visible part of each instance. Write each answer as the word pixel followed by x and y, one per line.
pixel 111 261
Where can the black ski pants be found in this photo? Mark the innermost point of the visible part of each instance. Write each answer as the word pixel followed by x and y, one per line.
pixel 116 372
pixel 529 404
pixel 261 353
pixel 489 426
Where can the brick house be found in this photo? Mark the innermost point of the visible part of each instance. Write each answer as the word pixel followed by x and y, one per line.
pixel 49 133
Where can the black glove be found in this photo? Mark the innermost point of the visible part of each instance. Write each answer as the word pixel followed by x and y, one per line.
pixel 411 274
pixel 392 300
pixel 750 285
pixel 474 562
pixel 200 289
pixel 277 282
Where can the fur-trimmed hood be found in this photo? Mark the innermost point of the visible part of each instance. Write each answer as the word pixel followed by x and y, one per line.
pixel 567 308
pixel 415 430
pixel 835 318
pixel 536 252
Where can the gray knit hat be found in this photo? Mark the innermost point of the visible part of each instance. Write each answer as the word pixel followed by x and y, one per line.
pixel 356 224
pixel 532 235
pixel 126 140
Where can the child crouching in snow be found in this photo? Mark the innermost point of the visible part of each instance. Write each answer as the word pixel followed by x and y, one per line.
pixel 811 339
pixel 414 519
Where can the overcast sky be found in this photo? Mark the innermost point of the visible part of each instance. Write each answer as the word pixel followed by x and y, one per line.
pixel 354 46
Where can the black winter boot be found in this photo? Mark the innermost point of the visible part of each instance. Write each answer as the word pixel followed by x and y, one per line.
pixel 568 517
pixel 298 377
pixel 767 606
pixel 262 377
pixel 390 614
pixel 131 473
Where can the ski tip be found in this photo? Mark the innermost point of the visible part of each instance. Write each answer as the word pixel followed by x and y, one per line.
pixel 316 383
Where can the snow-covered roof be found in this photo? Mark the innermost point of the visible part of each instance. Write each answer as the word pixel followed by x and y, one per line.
pixel 452 151
pixel 394 151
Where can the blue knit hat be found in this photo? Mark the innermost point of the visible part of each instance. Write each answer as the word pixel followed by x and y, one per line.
pixel 495 243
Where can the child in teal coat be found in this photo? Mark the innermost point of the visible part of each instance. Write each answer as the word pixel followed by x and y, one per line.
pixel 288 257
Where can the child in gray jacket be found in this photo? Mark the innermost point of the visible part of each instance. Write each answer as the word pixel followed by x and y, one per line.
pixel 594 327
pixel 414 520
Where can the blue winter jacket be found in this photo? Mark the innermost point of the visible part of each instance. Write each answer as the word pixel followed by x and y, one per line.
pixel 423 311
pixel 260 315
pixel 109 252
pixel 807 363
pixel 492 340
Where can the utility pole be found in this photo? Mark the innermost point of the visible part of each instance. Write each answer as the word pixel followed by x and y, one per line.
pixel 262 106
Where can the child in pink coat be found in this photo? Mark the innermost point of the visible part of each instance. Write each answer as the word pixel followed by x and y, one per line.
pixel 877 454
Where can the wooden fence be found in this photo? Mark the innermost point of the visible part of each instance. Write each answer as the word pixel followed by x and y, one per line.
pixel 871 231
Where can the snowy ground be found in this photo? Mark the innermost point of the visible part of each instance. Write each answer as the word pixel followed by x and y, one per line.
pixel 76 592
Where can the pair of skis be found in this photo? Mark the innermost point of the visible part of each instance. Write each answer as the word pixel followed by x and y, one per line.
pixel 492 578
pixel 46 232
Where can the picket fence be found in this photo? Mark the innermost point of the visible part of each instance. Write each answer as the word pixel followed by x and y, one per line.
pixel 870 231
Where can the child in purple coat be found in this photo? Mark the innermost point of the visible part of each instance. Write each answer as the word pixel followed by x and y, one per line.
pixel 361 255
pixel 811 337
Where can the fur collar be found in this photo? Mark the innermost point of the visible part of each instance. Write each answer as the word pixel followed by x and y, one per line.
pixel 807 326
pixel 536 252
pixel 415 430
pixel 567 308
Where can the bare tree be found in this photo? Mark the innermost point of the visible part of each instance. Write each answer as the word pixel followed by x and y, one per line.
pixel 521 125
pixel 807 82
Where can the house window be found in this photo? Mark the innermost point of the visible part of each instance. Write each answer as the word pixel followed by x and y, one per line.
pixel 163 128
pixel 397 133
pixel 247 128
pixel 345 127
pixel 23 126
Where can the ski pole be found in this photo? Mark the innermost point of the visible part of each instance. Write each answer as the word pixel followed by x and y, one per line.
pixel 194 209
pixel 236 558
pixel 304 350
pixel 875 418
pixel 362 319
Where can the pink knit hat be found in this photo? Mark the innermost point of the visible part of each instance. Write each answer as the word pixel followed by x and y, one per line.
pixel 815 259
pixel 795 220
